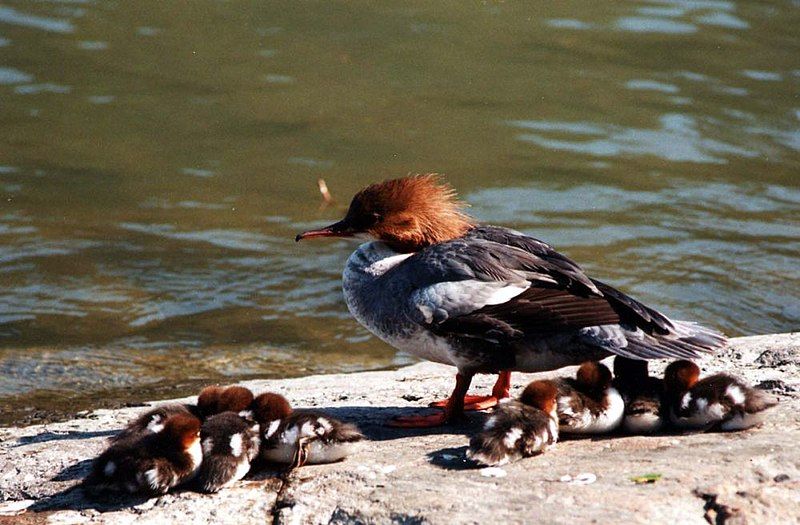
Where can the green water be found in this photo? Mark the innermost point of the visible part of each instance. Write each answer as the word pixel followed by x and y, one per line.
pixel 157 158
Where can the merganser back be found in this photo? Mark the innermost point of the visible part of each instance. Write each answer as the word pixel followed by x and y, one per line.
pixel 486 299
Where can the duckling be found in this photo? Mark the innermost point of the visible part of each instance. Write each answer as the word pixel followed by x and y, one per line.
pixel 719 401
pixel 151 463
pixel 230 443
pixel 295 438
pixel 642 395
pixel 518 428
pixel 589 404
pixel 152 421
pixel 215 399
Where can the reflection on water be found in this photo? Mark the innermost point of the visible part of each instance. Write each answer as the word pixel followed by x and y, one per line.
pixel 156 162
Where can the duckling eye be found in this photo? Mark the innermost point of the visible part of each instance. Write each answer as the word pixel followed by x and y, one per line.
pixel 377 217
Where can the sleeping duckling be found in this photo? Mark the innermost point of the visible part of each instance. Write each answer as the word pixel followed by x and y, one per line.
pixel 642 395
pixel 296 438
pixel 719 401
pixel 230 443
pixel 518 429
pixel 588 404
pixel 152 463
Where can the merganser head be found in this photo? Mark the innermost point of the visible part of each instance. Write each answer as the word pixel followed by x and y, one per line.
pixel 630 370
pixel 594 375
pixel 408 214
pixel 208 400
pixel 181 429
pixel 270 407
pixel 234 399
pixel 540 394
pixel 680 376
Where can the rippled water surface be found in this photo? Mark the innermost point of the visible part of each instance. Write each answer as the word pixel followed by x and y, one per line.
pixel 157 158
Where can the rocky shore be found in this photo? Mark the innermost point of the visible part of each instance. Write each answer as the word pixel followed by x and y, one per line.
pixel 412 476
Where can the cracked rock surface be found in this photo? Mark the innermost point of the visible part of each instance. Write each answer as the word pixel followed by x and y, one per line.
pixel 421 476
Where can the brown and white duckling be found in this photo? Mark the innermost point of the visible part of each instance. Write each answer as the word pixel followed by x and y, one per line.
pixel 216 399
pixel 295 438
pixel 230 443
pixel 518 428
pixel 642 395
pixel 151 463
pixel 589 404
pixel 719 401
pixel 152 421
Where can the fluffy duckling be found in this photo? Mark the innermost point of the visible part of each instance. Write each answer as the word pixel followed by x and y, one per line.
pixel 230 443
pixel 216 399
pixel 152 421
pixel 589 404
pixel 719 401
pixel 642 395
pixel 518 429
pixel 295 438
pixel 152 463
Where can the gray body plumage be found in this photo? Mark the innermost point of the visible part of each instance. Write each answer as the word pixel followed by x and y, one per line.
pixel 496 299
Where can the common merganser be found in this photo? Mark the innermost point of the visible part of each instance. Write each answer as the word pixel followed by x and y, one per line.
pixel 485 299
pixel 719 401
pixel 152 463
pixel 588 404
pixel 296 438
pixel 642 395
pixel 230 443
pixel 517 430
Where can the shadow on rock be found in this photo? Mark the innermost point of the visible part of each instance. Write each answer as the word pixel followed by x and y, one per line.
pixel 452 458
pixel 373 421
pixel 59 436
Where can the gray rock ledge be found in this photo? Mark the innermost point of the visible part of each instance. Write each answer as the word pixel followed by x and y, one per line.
pixel 405 476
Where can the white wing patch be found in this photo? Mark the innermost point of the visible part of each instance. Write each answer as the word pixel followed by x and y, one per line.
pixel 273 426
pixel 735 394
pixel 236 445
pixel 440 301
pixel 512 437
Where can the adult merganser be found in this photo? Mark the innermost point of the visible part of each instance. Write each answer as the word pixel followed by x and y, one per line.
pixel 296 438
pixel 486 299
pixel 719 401
pixel 588 404
pixel 518 429
pixel 152 463
pixel 230 443
pixel 642 395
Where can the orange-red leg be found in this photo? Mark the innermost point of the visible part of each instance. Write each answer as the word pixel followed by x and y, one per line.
pixel 453 410
pixel 500 390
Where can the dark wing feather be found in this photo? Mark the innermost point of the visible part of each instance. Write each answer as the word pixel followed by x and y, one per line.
pixel 558 297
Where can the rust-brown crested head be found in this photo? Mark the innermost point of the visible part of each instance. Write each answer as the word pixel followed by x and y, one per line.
pixel 234 399
pixel 594 375
pixel 408 213
pixel 182 429
pixel 680 376
pixel 540 394
pixel 208 400
pixel 270 407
